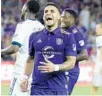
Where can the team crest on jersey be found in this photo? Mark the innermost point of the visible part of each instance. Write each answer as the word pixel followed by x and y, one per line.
pixel 59 41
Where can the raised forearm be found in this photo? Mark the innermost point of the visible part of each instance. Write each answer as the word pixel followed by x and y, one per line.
pixel 69 64
pixel 51 67
pixel 10 50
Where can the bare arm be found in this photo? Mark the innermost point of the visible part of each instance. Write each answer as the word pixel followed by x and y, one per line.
pixel 50 67
pixel 69 64
pixel 83 55
pixel 10 50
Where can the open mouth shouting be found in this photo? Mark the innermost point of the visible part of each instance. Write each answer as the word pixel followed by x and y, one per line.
pixel 49 20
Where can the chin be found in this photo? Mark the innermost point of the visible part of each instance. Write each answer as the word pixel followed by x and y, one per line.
pixel 49 25
pixel 63 26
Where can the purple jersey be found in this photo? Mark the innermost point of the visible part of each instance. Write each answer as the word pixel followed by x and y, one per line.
pixel 80 43
pixel 55 46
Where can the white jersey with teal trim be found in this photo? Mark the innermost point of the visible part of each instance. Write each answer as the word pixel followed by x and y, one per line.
pixel 97 78
pixel 98 44
pixel 21 38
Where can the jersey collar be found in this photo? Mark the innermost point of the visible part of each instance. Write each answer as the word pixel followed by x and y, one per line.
pixel 56 31
pixel 71 28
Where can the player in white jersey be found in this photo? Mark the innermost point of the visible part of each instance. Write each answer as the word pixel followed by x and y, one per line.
pixel 19 44
pixel 97 78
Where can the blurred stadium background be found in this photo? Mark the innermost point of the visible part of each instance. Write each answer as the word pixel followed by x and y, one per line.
pixel 88 11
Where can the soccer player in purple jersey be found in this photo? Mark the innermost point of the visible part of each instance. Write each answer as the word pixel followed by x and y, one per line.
pixel 53 52
pixel 68 20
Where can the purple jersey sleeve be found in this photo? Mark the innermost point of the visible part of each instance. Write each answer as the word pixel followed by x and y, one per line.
pixel 80 41
pixel 70 46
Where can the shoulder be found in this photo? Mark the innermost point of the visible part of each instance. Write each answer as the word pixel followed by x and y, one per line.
pixel 18 28
pixel 39 24
pixel 68 36
pixel 64 32
pixel 35 24
pixel 35 34
pixel 77 33
pixel 75 30
pixel 19 24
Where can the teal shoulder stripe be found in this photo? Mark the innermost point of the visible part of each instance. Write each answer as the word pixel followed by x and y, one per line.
pixel 16 43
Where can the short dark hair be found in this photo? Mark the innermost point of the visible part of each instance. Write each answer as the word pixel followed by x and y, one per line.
pixel 53 4
pixel 33 6
pixel 72 12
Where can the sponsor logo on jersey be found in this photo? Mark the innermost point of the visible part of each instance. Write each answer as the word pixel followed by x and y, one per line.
pixel 49 52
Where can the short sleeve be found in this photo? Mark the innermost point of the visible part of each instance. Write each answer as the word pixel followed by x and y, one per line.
pixel 80 41
pixel 19 36
pixel 70 49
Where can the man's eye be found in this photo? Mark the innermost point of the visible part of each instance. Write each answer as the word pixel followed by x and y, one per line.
pixel 52 11
pixel 46 11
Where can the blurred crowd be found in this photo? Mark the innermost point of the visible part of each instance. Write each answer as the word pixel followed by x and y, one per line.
pixel 88 12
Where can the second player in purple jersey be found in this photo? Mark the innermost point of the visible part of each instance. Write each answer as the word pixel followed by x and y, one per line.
pixel 80 45
pixel 68 24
